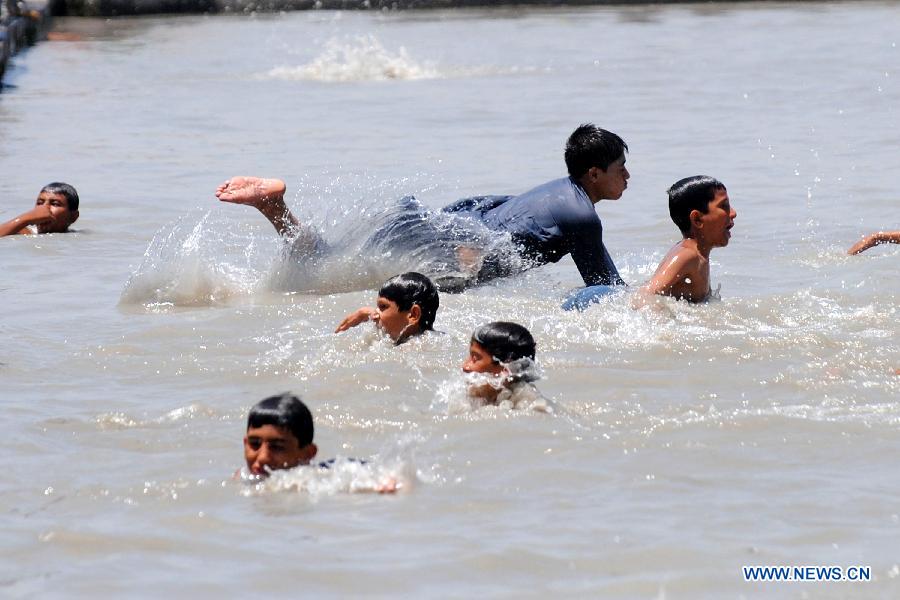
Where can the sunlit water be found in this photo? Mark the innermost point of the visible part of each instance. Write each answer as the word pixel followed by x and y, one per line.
pixel 761 429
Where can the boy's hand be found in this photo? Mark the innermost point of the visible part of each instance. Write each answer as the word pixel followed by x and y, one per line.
pixel 38 214
pixel 355 318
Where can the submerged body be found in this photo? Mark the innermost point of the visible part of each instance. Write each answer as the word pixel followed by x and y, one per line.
pixel 55 209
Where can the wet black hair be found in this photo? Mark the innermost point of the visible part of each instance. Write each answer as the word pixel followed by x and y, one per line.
pixel 589 146
pixel 285 411
pixel 505 341
pixel 64 189
pixel 411 288
pixel 691 193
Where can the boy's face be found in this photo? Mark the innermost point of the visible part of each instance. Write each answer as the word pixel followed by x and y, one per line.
pixel 609 184
pixel 718 220
pixel 481 361
pixel 269 448
pixel 61 216
pixel 393 321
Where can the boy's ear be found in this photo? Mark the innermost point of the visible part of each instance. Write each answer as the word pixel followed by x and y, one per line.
pixel 415 313
pixel 696 218
pixel 309 452
pixel 73 218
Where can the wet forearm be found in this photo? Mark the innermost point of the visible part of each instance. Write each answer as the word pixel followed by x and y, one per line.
pixel 16 225
pixel 875 239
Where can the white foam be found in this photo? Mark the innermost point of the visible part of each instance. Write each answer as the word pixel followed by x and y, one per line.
pixel 342 476
pixel 196 263
pixel 363 58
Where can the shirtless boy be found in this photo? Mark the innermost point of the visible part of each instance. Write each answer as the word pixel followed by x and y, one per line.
pixel 700 208
pixel 406 307
pixel 54 211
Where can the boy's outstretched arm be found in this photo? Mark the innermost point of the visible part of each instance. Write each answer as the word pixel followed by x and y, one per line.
pixel 266 195
pixel 38 214
pixel 355 318
pixel 874 239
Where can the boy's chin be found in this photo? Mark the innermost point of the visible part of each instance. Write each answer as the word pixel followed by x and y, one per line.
pixel 51 228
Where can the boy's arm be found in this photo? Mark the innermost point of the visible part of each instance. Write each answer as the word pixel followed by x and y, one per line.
pixel 266 195
pixel 879 237
pixel 38 214
pixel 585 239
pixel 355 318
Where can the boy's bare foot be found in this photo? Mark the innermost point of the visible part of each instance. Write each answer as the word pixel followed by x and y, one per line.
pixel 254 191
pixel 266 195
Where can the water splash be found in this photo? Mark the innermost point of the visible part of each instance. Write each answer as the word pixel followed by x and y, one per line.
pixel 454 397
pixel 363 58
pixel 197 263
pixel 369 231
pixel 343 475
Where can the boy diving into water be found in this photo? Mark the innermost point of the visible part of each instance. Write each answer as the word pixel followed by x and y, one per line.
pixel 543 224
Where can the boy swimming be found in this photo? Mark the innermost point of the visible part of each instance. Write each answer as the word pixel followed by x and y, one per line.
pixel 279 435
pixel 543 224
pixel 701 209
pixel 503 354
pixel 406 306
pixel 55 209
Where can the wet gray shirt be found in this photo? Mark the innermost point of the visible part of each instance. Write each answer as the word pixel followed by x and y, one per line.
pixel 546 223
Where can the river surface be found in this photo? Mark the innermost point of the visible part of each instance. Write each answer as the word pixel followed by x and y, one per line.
pixel 761 429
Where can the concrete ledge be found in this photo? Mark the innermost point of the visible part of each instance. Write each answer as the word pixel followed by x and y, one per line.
pixel 21 25
pixel 106 8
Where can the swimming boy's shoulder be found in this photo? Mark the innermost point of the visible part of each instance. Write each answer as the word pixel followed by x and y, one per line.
pixel 687 255
pixel 564 189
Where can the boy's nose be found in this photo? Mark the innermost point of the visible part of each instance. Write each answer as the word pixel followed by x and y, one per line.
pixel 627 175
pixel 263 458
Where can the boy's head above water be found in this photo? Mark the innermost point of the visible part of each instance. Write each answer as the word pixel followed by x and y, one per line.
pixel 595 158
pixel 407 305
pixel 701 209
pixel 62 201
pixel 279 435
pixel 504 350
